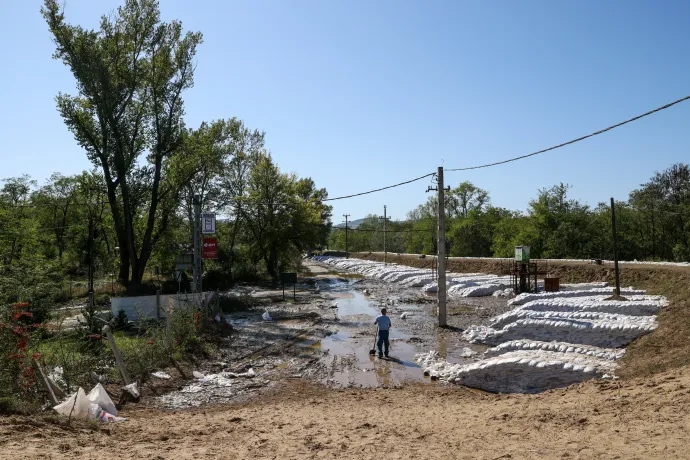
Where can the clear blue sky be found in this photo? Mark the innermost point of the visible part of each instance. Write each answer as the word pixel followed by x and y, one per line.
pixel 361 94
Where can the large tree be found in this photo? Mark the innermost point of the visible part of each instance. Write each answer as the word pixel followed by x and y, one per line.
pixel 130 77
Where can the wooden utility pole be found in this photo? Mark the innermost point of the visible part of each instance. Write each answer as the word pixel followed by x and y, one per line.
pixel 615 249
pixel 385 218
pixel 440 247
pixel 196 275
pixel 441 251
pixel 347 253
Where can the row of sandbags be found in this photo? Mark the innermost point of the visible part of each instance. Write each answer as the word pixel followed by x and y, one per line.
pixel 458 284
pixel 519 371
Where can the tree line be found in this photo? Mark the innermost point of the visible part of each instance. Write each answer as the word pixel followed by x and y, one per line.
pixel 652 224
pixel 133 210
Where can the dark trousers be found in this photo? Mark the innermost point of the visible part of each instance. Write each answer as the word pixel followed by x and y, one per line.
pixel 383 340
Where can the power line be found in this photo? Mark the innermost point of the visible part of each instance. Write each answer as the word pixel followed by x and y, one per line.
pixel 575 140
pixel 379 189
pixel 350 229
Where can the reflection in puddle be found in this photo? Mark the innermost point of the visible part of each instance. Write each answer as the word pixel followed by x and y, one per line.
pixel 346 353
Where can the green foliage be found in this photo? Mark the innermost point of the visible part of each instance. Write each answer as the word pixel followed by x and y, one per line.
pixel 653 224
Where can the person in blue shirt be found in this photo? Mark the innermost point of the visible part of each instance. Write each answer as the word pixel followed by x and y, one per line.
pixel 384 324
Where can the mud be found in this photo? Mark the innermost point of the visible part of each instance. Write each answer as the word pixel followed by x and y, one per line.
pixel 325 335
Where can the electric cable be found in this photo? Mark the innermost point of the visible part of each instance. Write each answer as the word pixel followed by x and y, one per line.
pixel 601 131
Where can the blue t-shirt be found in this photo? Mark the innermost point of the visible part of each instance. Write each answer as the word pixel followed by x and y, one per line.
pixel 384 322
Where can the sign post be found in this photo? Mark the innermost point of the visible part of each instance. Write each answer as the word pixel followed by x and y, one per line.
pixel 208 223
pixel 289 278
pixel 209 248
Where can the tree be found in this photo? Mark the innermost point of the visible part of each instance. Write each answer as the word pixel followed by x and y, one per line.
pixel 284 216
pixel 664 203
pixel 464 198
pixel 130 77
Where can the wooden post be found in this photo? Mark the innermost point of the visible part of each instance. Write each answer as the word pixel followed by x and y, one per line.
pixel 615 248
pixel 118 356
pixel 158 304
pixel 617 295
pixel 441 265
pixel 168 326
pixel 46 383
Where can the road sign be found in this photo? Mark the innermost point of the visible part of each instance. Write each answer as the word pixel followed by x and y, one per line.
pixel 184 261
pixel 209 248
pixel 208 223
pixel 289 278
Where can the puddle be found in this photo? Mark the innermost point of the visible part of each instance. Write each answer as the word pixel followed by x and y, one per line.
pixel 346 353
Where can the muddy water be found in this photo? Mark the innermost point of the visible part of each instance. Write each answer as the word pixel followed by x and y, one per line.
pixel 325 336
pixel 346 353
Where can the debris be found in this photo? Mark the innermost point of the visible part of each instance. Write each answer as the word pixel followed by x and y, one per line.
pixel 467 353
pixel 97 378
pixel 198 375
pixel 266 316
pixel 97 405
pixel 133 390
pixel 161 375
pixel 404 315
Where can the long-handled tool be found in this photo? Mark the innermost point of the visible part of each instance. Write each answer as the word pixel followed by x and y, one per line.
pixel 372 352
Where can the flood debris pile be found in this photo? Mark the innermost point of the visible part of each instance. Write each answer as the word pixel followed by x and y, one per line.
pixel 552 340
pixel 459 284
pixel 211 388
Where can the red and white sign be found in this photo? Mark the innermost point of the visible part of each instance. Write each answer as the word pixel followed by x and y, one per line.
pixel 209 248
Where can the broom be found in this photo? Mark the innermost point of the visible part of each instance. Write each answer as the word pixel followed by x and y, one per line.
pixel 372 352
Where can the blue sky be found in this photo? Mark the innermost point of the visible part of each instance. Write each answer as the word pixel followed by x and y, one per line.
pixel 360 94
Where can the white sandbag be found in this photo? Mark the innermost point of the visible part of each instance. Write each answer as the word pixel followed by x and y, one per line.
pixel 78 409
pixel 100 397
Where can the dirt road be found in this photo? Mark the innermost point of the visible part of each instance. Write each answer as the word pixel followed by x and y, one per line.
pixel 638 419
pixel 348 405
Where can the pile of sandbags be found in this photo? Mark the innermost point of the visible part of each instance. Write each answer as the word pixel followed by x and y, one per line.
pixel 610 354
pixel 600 333
pixel 520 371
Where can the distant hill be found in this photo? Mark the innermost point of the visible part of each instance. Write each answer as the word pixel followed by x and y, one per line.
pixel 351 223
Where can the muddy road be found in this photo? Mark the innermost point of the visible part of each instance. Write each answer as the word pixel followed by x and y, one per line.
pixel 324 334
pixel 314 392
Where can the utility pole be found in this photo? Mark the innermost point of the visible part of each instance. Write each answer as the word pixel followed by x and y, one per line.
pixel 196 275
pixel 441 264
pixel 347 253
pixel 385 218
pixel 617 296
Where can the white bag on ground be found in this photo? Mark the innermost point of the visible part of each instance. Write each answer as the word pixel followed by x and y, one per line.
pixel 96 412
pixel 78 409
pixel 99 396
pixel 96 406
pixel 266 316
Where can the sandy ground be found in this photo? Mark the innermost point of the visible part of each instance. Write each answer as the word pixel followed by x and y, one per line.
pixel 598 419
pixel 319 394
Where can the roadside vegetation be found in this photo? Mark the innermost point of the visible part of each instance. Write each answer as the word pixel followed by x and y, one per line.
pixel 106 229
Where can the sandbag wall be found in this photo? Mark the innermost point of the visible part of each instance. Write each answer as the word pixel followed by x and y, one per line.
pixel 552 340
pixel 458 284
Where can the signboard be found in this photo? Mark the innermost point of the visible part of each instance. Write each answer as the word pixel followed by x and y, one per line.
pixel 522 254
pixel 184 262
pixel 209 248
pixel 208 223
pixel 288 278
